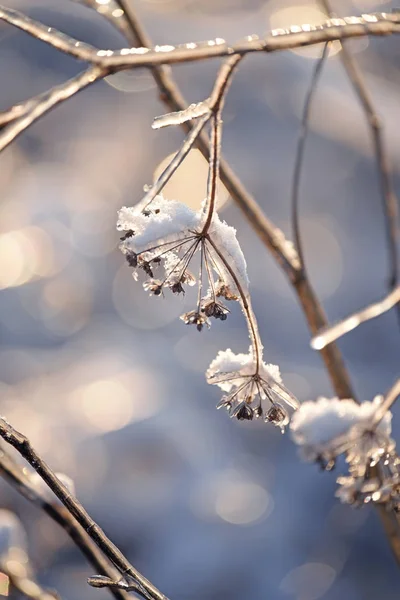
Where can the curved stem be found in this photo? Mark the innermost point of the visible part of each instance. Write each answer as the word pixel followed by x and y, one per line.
pixel 213 171
pixel 246 307
pixel 217 100
pixel 300 154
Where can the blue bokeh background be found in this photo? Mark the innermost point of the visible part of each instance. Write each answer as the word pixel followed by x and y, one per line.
pixel 109 384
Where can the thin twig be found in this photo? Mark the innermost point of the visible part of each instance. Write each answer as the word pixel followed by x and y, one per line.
pixel 213 104
pixel 15 476
pixel 270 235
pixel 387 403
pixel 390 201
pixel 330 334
pixel 22 116
pixel 301 143
pixel 278 39
pixel 21 443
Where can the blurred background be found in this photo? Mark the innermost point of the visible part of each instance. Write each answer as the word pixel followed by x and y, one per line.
pixel 109 385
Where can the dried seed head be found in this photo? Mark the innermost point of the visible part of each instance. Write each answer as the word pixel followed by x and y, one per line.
pixel 130 233
pixel 277 415
pixel 243 412
pixel 211 308
pixel 154 286
pixel 132 259
pixel 222 289
pixel 196 318
pixel 177 288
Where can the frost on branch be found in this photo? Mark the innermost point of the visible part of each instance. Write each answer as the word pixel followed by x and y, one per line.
pixel 251 391
pixel 162 242
pixel 177 118
pixel 328 428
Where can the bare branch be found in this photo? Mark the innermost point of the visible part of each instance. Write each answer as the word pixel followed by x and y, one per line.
pixel 300 153
pixel 21 116
pixel 24 447
pixel 387 403
pixel 297 36
pixel 212 104
pixel 270 235
pixel 390 201
pixel 330 334
pixel 17 478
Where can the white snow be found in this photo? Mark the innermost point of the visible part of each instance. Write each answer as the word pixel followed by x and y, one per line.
pixel 317 424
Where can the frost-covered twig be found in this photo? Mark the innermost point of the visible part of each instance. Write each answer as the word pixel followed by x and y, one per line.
pixel 21 116
pixel 278 39
pixel 210 107
pixel 387 403
pixel 390 202
pixel 18 479
pixel 330 334
pixel 21 443
pixel 300 153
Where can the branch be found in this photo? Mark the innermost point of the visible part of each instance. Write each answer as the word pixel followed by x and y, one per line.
pixel 22 116
pixel 205 111
pixel 25 449
pixel 390 201
pixel 16 477
pixel 330 334
pixel 297 36
pixel 300 153
pixel 270 235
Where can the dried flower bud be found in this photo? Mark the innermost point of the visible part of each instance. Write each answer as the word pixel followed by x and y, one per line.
pixel 130 233
pixel 277 415
pixel 132 259
pixel 196 318
pixel 225 291
pixel 154 286
pixel 177 288
pixel 214 309
pixel 243 412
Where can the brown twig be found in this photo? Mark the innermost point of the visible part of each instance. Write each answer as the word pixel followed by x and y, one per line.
pixel 21 443
pixel 270 235
pixel 334 332
pixel 390 201
pixel 277 40
pixel 301 144
pixel 15 476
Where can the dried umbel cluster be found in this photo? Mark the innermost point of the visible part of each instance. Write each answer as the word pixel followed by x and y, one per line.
pixel 328 428
pixel 160 244
pixel 163 239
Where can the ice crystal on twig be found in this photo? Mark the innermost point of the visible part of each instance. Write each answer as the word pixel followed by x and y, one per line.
pixel 177 118
pixel 252 391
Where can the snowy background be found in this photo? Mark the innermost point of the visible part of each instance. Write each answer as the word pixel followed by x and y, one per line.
pixel 109 384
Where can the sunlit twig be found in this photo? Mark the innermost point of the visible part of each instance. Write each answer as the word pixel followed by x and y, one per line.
pixel 13 473
pixel 278 39
pixel 390 202
pixel 22 444
pixel 300 153
pixel 334 332
pixel 22 116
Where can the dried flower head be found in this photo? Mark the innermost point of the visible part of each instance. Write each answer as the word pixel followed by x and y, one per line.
pixel 252 390
pixel 330 427
pixel 163 240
